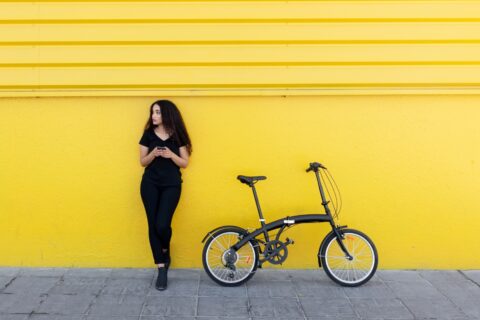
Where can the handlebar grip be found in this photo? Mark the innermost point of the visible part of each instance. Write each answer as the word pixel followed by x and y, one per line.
pixel 314 166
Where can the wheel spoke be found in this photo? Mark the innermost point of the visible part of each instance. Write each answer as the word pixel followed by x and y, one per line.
pixel 350 271
pixel 244 261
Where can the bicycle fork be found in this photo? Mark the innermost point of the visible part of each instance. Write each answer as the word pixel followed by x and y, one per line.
pixel 340 238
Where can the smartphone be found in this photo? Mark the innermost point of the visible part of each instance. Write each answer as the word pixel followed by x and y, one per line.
pixel 161 148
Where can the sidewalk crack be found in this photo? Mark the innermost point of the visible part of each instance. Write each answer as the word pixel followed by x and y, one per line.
pixel 9 283
pixel 468 278
pixel 146 296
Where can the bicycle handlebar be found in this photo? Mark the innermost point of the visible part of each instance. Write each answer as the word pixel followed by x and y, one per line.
pixel 314 166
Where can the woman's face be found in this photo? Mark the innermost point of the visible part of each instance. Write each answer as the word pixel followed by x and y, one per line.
pixel 156 115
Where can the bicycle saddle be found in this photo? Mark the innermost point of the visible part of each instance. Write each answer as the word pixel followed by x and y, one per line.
pixel 250 180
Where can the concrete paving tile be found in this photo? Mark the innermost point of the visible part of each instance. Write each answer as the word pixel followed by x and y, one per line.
pixel 380 308
pixel 88 273
pixel 93 317
pixel 132 273
pixel 133 286
pixel 337 317
pixel 319 289
pixel 220 318
pixel 166 318
pixel 271 275
pixel 19 302
pixel 400 275
pixel 117 305
pixel 314 307
pixel 442 275
pixel 208 288
pixel 371 290
pixel 188 318
pixel 473 275
pixel 273 318
pixel 65 304
pixel 223 318
pixel 42 272
pixel 424 308
pixel 222 306
pixel 457 291
pixel 413 290
pixel 177 288
pixel 36 285
pixel 191 318
pixel 270 289
pixel 169 306
pixel 79 285
pixel 470 307
pixel 307 275
pixel 191 274
pixel 279 308
pixel 5 301
pixel 14 316
pixel 55 317
pixel 9 271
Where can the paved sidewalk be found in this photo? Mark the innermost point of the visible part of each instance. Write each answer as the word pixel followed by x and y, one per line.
pixel 129 294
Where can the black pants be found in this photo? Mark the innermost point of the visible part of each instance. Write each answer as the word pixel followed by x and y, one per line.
pixel 160 204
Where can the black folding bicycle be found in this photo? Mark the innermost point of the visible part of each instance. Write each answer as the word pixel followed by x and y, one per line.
pixel 231 254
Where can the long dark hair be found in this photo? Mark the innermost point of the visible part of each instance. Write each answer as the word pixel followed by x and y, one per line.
pixel 172 122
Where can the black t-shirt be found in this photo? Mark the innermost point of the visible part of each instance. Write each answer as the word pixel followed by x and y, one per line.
pixel 162 171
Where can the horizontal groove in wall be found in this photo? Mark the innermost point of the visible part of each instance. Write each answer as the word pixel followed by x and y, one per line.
pixel 235 21
pixel 217 92
pixel 238 64
pixel 236 42
pixel 195 86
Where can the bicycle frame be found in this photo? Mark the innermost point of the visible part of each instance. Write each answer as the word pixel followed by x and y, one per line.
pixel 291 220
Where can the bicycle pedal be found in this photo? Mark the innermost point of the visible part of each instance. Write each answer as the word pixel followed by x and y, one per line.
pixel 290 241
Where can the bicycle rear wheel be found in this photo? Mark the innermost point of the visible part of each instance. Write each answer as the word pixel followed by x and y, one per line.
pixel 224 266
pixel 339 268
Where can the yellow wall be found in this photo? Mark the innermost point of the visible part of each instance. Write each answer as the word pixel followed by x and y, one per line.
pixel 384 93
pixel 407 167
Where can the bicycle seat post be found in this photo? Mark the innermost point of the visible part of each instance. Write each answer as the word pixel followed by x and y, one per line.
pixel 257 202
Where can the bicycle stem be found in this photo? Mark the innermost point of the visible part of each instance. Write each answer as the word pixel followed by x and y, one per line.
pixel 322 194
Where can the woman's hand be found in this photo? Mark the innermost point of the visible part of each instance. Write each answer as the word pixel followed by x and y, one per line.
pixel 166 153
pixel 156 152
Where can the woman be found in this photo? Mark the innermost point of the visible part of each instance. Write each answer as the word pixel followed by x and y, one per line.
pixel 165 147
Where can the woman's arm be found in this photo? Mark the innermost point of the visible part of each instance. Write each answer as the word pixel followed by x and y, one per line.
pixel 147 158
pixel 181 161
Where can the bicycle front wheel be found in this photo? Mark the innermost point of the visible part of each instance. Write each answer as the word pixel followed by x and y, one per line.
pixel 339 268
pixel 224 267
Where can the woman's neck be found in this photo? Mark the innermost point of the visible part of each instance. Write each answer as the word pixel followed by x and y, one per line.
pixel 160 129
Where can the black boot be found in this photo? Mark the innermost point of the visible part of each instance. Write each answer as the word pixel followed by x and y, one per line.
pixel 161 283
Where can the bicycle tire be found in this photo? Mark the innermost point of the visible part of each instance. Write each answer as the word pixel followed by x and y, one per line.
pixel 250 249
pixel 347 273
